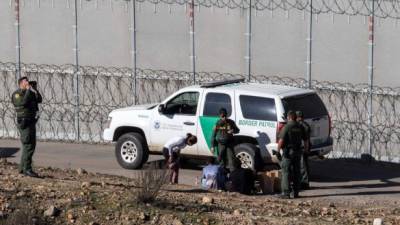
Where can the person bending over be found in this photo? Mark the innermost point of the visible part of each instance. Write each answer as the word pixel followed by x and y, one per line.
pixel 171 152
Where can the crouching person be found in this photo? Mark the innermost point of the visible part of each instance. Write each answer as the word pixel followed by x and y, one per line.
pixel 171 152
pixel 213 176
pixel 241 180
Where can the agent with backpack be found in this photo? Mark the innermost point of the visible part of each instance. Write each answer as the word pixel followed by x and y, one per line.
pixel 305 169
pixel 290 140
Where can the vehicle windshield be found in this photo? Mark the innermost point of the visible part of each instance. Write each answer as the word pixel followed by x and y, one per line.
pixel 311 105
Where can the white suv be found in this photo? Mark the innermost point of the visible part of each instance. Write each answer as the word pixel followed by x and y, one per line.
pixel 258 110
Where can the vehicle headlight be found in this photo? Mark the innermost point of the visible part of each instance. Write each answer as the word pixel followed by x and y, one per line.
pixel 108 123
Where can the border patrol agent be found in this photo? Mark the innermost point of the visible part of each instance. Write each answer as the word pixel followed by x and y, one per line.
pixel 305 169
pixel 223 137
pixel 26 100
pixel 290 140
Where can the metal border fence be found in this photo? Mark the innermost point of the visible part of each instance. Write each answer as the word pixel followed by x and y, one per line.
pixel 370 8
pixel 104 89
pixel 78 98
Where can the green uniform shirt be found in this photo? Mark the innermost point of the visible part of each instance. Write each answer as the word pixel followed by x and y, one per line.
pixel 292 135
pixel 223 131
pixel 26 103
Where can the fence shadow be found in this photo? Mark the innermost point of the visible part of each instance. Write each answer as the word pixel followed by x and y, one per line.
pixel 190 164
pixel 8 152
pixel 341 173
pixel 355 170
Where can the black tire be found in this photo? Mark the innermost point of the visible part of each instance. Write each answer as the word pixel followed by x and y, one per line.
pixel 131 151
pixel 248 152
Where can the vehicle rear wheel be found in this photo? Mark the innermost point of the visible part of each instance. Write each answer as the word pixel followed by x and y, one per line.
pixel 130 151
pixel 249 156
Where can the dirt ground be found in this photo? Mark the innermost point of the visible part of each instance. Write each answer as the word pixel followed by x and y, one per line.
pixel 344 191
pixel 81 197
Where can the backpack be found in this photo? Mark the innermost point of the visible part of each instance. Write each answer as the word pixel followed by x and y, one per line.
pixel 242 181
pixel 295 135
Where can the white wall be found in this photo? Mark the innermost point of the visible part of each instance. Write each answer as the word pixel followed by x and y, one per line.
pixel 279 46
pixel 279 43
pixel 387 49
pixel 163 37
pixel 7 33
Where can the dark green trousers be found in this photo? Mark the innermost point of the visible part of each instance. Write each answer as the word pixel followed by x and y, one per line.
pixel 27 131
pixel 290 173
pixel 305 169
pixel 226 156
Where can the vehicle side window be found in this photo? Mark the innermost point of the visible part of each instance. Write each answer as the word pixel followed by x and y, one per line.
pixel 185 103
pixel 258 108
pixel 214 102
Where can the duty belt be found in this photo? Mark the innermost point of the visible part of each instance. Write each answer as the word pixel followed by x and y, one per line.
pixel 290 152
pixel 17 108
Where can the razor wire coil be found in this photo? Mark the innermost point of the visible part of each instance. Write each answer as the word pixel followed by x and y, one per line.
pixel 382 8
pixel 105 89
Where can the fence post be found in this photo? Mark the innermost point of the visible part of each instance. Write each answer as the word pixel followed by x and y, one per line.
pixel 192 40
pixel 371 26
pixel 133 50
pixel 248 42
pixel 309 50
pixel 18 40
pixel 76 72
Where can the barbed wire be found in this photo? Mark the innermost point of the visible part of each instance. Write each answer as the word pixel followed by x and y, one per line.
pixel 104 89
pixel 382 8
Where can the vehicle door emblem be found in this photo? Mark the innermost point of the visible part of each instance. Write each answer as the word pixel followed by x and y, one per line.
pixel 157 125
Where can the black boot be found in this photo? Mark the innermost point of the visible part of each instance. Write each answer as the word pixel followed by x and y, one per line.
pixel 305 186
pixel 30 173
pixel 283 196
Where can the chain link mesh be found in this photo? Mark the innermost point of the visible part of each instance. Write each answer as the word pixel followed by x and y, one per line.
pixel 104 89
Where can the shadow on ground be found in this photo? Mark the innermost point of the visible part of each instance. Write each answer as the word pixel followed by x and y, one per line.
pixel 189 164
pixel 331 171
pixel 8 152
pixel 195 190
pixel 345 170
pixel 371 178
pixel 358 176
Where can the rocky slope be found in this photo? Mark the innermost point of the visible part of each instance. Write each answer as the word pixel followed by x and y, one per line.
pixel 78 197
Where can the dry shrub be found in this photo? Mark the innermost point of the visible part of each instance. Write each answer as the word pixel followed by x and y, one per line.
pixel 22 215
pixel 149 182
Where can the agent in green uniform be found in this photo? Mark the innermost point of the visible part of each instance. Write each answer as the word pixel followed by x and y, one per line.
pixel 290 140
pixel 26 100
pixel 305 169
pixel 223 138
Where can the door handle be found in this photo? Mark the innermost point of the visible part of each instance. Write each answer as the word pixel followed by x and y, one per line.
pixel 189 123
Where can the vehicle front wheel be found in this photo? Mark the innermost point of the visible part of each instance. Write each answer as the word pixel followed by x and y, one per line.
pixel 249 156
pixel 130 151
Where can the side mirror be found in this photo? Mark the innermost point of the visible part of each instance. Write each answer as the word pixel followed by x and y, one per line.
pixel 161 108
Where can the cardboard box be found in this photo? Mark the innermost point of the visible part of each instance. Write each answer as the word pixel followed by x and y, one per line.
pixel 277 176
pixel 270 181
pixel 266 183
